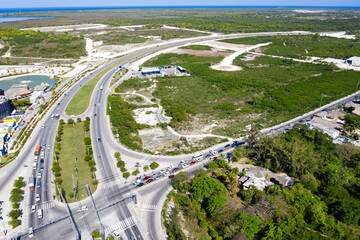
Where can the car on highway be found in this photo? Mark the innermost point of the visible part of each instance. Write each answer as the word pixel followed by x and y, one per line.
pixel 171 176
pixel 49 146
pixel 175 169
pixel 182 161
pixel 213 152
pixel 42 126
pixel 35 165
pixel 166 174
pixel 220 151
pixel 41 168
pixel 132 237
pixel 140 184
pixel 162 170
pixel 158 176
pixel 36 158
pixel 99 139
pixel 39 175
pixel 214 158
pixel 33 208
pixel 40 213
pixel 42 160
pixel 38 184
pixel 149 181
pixel 170 167
pixel 146 178
pixel 31 232
pixel 116 234
pixel 185 165
pixel 227 145
pixel 94 114
pixel 193 162
pixel 37 197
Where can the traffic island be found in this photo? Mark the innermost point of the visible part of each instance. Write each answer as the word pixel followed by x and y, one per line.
pixel 74 164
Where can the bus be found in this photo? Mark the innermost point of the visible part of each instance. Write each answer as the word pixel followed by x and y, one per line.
pixel 37 150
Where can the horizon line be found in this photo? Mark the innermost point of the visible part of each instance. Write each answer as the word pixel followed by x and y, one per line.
pixel 183 6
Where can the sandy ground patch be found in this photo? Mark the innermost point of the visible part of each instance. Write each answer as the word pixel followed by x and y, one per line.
pixel 131 28
pixel 226 63
pixel 28 70
pixel 249 57
pixel 66 28
pixel 201 53
pixel 338 35
pixel 77 69
pixel 146 116
pixel 155 138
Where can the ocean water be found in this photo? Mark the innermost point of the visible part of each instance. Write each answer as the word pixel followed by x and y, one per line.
pixel 31 80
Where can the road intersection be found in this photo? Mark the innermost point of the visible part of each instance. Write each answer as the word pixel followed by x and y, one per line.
pixel 117 210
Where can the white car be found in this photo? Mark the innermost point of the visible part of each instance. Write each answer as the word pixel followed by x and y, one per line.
pixel 36 159
pixel 170 167
pixel 42 126
pixel 182 161
pixel 37 197
pixel 84 208
pixel 49 147
pixel 31 232
pixel 162 170
pixel 116 234
pixel 39 175
pixel 166 174
pixel 33 208
pixel 35 165
pixel 213 152
pixel 185 165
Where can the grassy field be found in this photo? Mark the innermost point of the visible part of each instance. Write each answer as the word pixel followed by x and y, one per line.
pixel 267 91
pixel 30 43
pixel 80 102
pixel 196 47
pixel 72 145
pixel 301 46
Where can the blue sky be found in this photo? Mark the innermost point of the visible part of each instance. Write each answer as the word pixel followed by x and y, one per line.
pixel 125 3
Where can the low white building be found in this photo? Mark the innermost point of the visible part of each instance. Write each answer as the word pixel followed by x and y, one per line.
pixel 325 126
pixel 354 61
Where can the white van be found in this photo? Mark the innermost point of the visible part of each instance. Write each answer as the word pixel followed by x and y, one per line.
pixel 40 213
pixel 35 165
pixel 198 157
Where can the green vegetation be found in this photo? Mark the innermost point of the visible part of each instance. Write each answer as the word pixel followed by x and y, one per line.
pixel 300 46
pixel 29 43
pixel 154 165
pixel 267 91
pixel 16 196
pixel 196 47
pixel 72 166
pixel 123 123
pixel 324 201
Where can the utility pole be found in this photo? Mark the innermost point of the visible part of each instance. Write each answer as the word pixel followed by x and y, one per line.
pixel 102 231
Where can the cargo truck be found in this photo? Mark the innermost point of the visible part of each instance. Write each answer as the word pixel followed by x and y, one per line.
pixel 31 183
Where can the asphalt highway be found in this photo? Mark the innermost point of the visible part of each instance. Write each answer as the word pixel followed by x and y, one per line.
pixel 107 171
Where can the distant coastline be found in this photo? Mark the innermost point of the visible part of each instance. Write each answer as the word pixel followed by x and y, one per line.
pixel 45 9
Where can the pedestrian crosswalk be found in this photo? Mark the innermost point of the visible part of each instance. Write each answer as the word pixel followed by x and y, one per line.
pixel 149 207
pixel 45 205
pixel 121 226
pixel 110 184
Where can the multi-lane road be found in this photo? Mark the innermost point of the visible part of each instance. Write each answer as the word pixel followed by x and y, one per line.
pixel 110 188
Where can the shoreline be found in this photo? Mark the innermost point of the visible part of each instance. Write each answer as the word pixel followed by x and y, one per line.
pixel 27 74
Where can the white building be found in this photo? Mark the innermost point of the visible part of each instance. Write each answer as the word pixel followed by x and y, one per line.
pixel 354 61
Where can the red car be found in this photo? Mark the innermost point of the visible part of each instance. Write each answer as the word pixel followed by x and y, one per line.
pixel 171 176
pixel 149 181
pixel 193 162
pixel 146 178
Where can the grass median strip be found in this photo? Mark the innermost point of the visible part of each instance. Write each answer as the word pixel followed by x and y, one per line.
pixel 72 166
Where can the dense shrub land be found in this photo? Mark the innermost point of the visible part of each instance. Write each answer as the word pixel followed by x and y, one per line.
pixel 300 46
pixel 30 43
pixel 267 91
pixel 323 203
